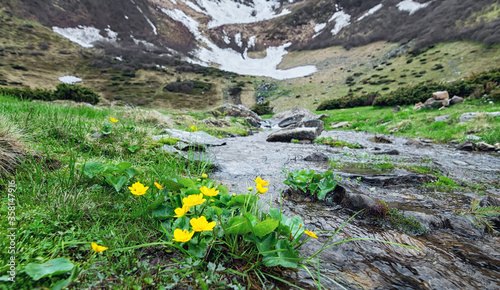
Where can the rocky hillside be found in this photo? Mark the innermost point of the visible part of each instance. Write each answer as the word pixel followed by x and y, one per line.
pixel 224 33
pixel 221 50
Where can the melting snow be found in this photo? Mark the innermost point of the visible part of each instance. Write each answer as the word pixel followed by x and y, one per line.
pixel 411 6
pixel 319 27
pixel 231 60
pixel 69 79
pixel 84 35
pixel 237 39
pixel 232 12
pixel 194 6
pixel 342 20
pixel 149 46
pixel 251 41
pixel 371 11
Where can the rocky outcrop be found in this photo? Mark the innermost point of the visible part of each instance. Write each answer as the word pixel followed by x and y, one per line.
pixel 239 111
pixel 298 123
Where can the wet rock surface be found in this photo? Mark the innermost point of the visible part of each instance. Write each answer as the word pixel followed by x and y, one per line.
pixel 453 254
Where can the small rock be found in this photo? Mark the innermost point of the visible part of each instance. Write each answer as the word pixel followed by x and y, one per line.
pixel 386 152
pixel 441 95
pixel 433 103
pixel 381 139
pixel 482 146
pixel 316 157
pixel 467 117
pixel 336 125
pixel 456 100
pixel 441 118
pixel 415 142
pixel 466 146
pixel 397 109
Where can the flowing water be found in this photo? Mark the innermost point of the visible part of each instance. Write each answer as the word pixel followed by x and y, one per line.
pixel 449 257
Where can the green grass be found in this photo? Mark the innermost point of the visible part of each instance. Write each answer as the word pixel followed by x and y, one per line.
pixel 421 123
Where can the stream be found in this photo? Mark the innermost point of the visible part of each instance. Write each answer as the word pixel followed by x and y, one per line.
pixel 453 254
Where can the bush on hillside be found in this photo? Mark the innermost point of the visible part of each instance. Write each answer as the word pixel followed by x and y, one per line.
pixel 76 93
pixel 28 94
pixel 421 92
pixel 349 101
pixel 262 108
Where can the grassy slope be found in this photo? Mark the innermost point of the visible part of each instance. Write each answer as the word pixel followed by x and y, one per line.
pixel 421 123
pixel 335 65
pixel 59 211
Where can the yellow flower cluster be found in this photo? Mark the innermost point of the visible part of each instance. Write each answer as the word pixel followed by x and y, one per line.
pixel 260 183
pixel 197 224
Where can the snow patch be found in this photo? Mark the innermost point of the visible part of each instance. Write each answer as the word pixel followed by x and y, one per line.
pixel 251 41
pixel 371 11
pixel 225 37
pixel 69 80
pixel 319 27
pixel 194 7
pixel 84 35
pixel 232 12
pixel 233 61
pixel 342 20
pixel 411 6
pixel 149 46
pixel 237 39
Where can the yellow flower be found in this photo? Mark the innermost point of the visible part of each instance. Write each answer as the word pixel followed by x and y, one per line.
pixel 259 180
pixel 261 189
pixel 204 175
pixel 182 235
pixel 194 129
pixel 181 211
pixel 158 186
pixel 209 191
pixel 201 224
pixel 138 188
pixel 193 199
pixel 113 120
pixel 311 234
pixel 98 248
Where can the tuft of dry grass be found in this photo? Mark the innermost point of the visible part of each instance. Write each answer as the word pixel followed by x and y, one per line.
pixel 12 149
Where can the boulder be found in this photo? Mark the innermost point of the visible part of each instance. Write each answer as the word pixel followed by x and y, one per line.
pixel 456 100
pixel 235 111
pixel 297 110
pixel 198 138
pixel 441 95
pixel 381 139
pixel 216 122
pixel 433 103
pixel 418 106
pixel 287 134
pixel 482 146
pixel 397 109
pixel 416 142
pixel 466 146
pixel 336 125
pixel 441 118
pixel 316 157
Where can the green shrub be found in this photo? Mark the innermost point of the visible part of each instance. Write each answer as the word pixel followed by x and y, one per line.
pixel 421 92
pixel 76 93
pixel 349 101
pixel 28 94
pixel 263 108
